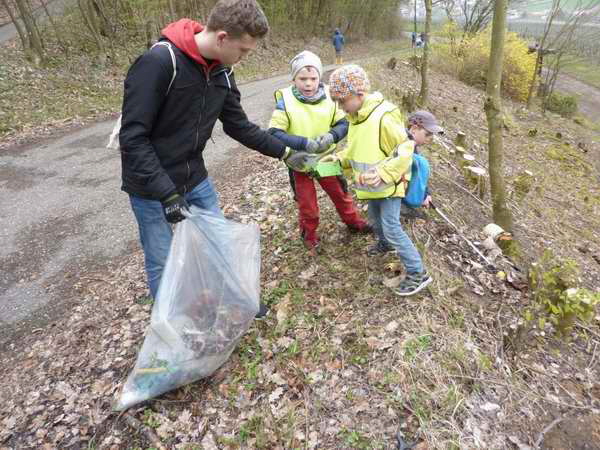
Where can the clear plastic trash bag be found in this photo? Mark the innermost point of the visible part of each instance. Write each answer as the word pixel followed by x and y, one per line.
pixel 207 299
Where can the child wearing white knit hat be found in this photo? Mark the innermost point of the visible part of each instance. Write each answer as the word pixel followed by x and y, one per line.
pixel 306 119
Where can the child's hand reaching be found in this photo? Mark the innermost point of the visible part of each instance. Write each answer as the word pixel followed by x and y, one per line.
pixel 325 141
pixel 295 160
pixel 332 157
pixel 312 145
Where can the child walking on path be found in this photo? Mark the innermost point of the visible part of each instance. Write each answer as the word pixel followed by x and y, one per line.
pixel 338 43
pixel 379 155
pixel 305 118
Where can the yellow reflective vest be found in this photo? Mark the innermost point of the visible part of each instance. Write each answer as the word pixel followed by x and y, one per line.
pixel 377 141
pixel 308 119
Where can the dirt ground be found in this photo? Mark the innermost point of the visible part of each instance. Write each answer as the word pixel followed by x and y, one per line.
pixel 341 362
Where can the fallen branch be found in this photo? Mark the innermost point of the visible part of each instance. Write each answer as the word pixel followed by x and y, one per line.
pixel 552 424
pixel 465 190
pixel 146 431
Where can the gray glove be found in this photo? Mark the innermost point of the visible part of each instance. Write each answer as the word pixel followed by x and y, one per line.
pixel 296 160
pixel 312 146
pixel 325 141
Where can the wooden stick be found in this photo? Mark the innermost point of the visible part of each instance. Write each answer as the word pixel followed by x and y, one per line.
pixel 146 431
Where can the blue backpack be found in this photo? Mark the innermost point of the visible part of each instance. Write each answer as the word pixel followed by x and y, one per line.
pixel 417 186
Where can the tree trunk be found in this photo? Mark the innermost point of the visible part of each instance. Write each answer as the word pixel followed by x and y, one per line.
pixel 423 94
pixel 493 111
pixel 35 41
pixel 532 83
pixel 17 24
pixel 55 28
pixel 90 19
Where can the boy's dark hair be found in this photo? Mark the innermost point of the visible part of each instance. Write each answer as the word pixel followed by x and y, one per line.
pixel 238 17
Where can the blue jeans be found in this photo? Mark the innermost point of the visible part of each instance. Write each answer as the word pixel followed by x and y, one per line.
pixel 384 215
pixel 156 233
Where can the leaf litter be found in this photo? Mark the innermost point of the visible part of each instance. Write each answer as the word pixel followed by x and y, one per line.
pixel 341 362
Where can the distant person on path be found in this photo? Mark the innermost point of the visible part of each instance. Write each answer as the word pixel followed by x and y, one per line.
pixel 165 128
pixel 305 118
pixel 413 38
pixel 379 154
pixel 338 45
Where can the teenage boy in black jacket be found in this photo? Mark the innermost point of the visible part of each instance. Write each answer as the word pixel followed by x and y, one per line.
pixel 165 126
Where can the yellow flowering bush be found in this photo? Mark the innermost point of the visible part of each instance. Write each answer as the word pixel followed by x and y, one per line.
pixel 467 58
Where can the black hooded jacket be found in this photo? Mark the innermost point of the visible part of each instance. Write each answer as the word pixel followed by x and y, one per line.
pixel 163 136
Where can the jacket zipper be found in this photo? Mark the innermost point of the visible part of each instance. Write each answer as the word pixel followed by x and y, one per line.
pixel 200 118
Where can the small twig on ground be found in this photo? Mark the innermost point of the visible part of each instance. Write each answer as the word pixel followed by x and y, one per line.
pixel 588 330
pixel 146 431
pixel 552 424
pixel 465 190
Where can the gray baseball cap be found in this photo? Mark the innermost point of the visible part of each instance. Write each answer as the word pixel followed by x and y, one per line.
pixel 426 120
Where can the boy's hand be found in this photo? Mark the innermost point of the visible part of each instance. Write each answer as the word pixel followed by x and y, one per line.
pixel 427 202
pixel 370 178
pixel 312 146
pixel 295 160
pixel 325 141
pixel 332 157
pixel 174 207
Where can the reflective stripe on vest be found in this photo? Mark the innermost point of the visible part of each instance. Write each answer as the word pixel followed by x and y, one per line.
pixel 365 151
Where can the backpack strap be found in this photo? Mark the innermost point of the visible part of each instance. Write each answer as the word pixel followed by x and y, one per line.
pixel 173 60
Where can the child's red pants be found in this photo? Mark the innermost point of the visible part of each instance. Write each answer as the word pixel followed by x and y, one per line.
pixel 306 196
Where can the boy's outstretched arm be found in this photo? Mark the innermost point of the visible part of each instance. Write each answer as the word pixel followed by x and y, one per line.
pixel 236 125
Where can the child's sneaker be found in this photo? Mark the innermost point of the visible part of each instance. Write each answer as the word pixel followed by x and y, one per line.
pixel 379 249
pixel 313 247
pixel 413 283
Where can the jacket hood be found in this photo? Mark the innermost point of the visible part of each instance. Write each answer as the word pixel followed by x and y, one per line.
pixel 371 102
pixel 182 33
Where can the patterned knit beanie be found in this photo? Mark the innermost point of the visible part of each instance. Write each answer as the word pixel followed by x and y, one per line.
pixel 346 80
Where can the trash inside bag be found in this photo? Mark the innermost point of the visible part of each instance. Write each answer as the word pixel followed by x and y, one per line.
pixel 207 299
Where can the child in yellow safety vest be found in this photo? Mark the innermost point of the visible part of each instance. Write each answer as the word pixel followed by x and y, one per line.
pixel 306 119
pixel 379 157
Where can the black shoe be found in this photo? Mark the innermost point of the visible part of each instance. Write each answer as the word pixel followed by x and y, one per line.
pixel 379 249
pixel 409 213
pixel 413 283
pixel 365 229
pixel 262 311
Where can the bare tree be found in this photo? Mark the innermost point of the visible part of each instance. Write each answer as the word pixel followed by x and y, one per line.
pixel 17 24
pixel 493 111
pixel 54 27
pixel 424 92
pixel 35 48
pixel 561 44
pixel 476 15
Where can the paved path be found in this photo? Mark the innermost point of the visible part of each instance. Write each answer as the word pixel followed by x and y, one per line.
pixel 63 212
pixel 8 30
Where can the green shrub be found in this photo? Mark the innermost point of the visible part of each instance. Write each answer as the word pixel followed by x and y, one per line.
pixel 563 104
pixel 467 57
pixel 555 296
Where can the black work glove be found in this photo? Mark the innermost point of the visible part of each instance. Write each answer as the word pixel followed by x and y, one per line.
pixel 173 207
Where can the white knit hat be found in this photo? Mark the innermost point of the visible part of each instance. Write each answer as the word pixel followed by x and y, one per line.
pixel 304 59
